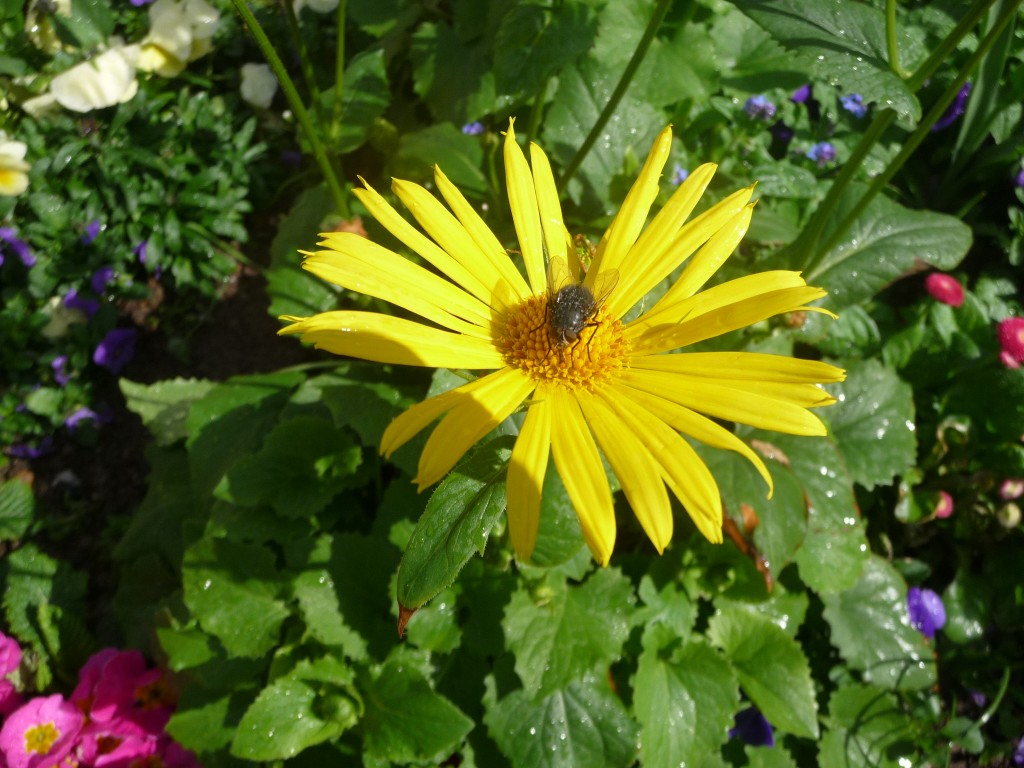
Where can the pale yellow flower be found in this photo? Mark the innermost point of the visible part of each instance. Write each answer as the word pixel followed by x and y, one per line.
pixel 102 81
pixel 180 31
pixel 617 389
pixel 13 168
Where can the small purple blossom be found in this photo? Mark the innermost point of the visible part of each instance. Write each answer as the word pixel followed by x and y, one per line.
pixel 801 94
pixel 1018 753
pixel 1018 180
pixel 116 349
pixel 473 129
pixel 10 237
pixel 86 306
pixel 759 108
pixel 140 3
pixel 822 153
pixel 140 251
pixel 59 365
pixel 927 613
pixel 679 175
pixel 753 728
pixel 979 698
pixel 92 231
pixel 854 104
pixel 80 416
pixel 101 279
pixel 955 109
pixel 30 451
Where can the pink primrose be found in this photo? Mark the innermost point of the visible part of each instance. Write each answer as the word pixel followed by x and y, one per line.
pixel 944 288
pixel 944 506
pixel 41 733
pixel 1011 339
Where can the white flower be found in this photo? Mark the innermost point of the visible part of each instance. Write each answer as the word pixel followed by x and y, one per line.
pixel 13 168
pixel 320 6
pixel 258 85
pixel 180 31
pixel 41 106
pixel 103 81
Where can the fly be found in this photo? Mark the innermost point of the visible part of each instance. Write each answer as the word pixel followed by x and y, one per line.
pixel 572 306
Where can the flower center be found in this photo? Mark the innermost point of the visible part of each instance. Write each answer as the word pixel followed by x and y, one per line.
pixel 562 341
pixel 39 738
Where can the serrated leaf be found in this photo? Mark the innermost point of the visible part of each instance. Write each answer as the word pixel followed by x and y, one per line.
pixel 885 243
pixel 771 667
pixel 583 724
pixel 871 627
pixel 842 42
pixel 568 630
pixel 769 757
pixel 868 728
pixel 232 589
pixel 455 525
pixel 164 406
pixel 451 74
pixel 685 704
pixel 873 423
pixel 749 58
pixel 17 507
pixel 667 615
pixel 406 720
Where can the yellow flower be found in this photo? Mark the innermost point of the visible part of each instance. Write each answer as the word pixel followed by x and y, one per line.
pixel 590 382
pixel 13 168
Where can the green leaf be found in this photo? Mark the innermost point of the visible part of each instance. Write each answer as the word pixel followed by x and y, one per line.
pixel 771 668
pixel 868 728
pixel 685 704
pixel 967 601
pixel 873 423
pixel 313 703
pixel 451 74
pixel 455 525
pixel 406 720
pixel 164 406
pixel 885 243
pixel 363 100
pixel 841 42
pixel 232 588
pixel 769 757
pixel 667 615
pixel 559 537
pixel 871 627
pixel 458 155
pixel 88 25
pixel 748 57
pixel 584 724
pixel 17 508
pixel 560 631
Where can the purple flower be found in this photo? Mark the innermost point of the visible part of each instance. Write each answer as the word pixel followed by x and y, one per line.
pixel 679 175
pixel 759 108
pixel 9 237
pixel 140 3
pixel 87 306
pixel 83 414
pixel 100 279
pixel 116 349
pixel 781 132
pixel 801 94
pixel 1018 180
pixel 955 109
pixel 92 231
pixel 822 153
pixel 927 613
pixel 854 104
pixel 60 370
pixel 1018 753
pixel 140 251
pixel 979 698
pixel 473 129
pixel 753 728
pixel 29 451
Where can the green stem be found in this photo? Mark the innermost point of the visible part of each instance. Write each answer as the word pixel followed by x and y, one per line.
pixel 536 111
pixel 288 87
pixel 620 90
pixel 922 131
pixel 941 54
pixel 890 40
pixel 339 70
pixel 305 63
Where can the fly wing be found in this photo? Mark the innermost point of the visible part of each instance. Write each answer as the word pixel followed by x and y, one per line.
pixel 558 275
pixel 604 284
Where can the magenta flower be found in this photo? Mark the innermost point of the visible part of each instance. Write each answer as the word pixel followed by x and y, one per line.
pixel 116 349
pixel 944 506
pixel 1011 339
pixel 117 686
pixel 944 288
pixel 1011 488
pixel 10 660
pixel 40 733
pixel 753 728
pixel 927 613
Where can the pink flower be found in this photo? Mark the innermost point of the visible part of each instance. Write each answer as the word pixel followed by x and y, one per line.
pixel 117 684
pixel 117 743
pixel 1011 339
pixel 944 506
pixel 10 660
pixel 40 733
pixel 1011 488
pixel 944 288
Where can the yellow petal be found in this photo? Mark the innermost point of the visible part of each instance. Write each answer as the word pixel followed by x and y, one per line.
pixel 489 245
pixel 406 425
pixel 682 469
pixel 725 402
pixel 361 265
pixel 522 200
pixel 555 234
pixel 754 366
pixel 632 215
pixel 419 243
pixel 478 411
pixel 582 472
pixel 387 339
pixel 638 473
pixel 526 470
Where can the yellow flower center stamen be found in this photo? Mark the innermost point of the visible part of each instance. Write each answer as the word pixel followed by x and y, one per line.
pixel 40 738
pixel 528 343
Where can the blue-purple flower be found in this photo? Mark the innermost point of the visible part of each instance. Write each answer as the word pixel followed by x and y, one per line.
pixel 759 108
pixel 679 175
pixel 801 94
pixel 140 251
pixel 29 450
pixel 101 279
pixel 854 104
pixel 86 306
pixel 753 728
pixel 92 231
pixel 781 132
pixel 59 365
pixel 927 613
pixel 473 129
pixel 116 349
pixel 822 153
pixel 9 237
pixel 1018 180
pixel 1018 753
pixel 80 416
pixel 955 109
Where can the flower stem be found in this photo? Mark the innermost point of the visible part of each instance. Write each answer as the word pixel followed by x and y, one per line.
pixel 294 100
pixel 339 70
pixel 620 90
pixel 890 40
pixel 305 64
